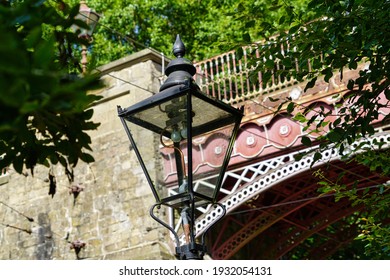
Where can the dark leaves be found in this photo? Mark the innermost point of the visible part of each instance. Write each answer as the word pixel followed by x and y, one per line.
pixel 306 141
pixel 311 83
pixel 336 135
pixel 42 106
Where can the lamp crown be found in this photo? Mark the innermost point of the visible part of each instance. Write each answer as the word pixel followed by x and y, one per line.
pixel 180 70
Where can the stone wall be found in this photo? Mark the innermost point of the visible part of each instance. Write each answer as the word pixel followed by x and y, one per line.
pixel 111 213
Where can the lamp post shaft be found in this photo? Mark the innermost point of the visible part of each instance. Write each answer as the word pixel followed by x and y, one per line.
pixel 84 59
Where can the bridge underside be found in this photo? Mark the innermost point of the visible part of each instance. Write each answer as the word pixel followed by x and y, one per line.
pixel 292 220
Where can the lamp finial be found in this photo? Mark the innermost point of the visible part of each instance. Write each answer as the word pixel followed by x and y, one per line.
pixel 179 50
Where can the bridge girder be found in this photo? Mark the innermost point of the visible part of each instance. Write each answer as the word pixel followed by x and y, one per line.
pixel 288 216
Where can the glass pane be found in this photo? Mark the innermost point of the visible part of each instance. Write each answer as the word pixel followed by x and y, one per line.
pixel 148 145
pixel 162 118
pixel 160 133
pixel 208 117
pixel 213 151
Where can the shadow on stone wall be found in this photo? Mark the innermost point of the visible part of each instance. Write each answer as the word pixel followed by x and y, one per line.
pixel 45 242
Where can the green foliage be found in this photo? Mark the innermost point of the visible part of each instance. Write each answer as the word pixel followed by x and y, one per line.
pixel 332 37
pixel 376 237
pixel 207 28
pixel 44 111
pixel 343 35
pixel 373 222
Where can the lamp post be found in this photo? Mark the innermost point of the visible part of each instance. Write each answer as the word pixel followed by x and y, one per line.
pixel 176 116
pixel 90 18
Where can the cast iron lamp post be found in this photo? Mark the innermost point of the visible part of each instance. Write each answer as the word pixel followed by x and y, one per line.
pixel 90 18
pixel 176 116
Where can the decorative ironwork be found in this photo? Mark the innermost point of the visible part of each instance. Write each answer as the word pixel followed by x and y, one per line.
pixel 262 133
pixel 251 180
pixel 226 77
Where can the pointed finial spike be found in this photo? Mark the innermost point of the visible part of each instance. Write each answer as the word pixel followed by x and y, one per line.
pixel 179 49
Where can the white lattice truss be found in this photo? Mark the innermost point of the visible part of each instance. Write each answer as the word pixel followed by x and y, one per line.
pixel 252 179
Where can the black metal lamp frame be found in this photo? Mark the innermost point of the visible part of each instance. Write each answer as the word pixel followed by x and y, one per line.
pixel 179 90
pixel 192 250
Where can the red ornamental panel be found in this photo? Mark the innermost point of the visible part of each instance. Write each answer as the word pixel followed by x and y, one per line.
pixel 251 140
pixel 196 157
pixel 385 110
pixel 215 148
pixel 169 161
pixel 283 132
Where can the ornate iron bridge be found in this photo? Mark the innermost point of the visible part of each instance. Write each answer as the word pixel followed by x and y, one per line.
pixel 272 200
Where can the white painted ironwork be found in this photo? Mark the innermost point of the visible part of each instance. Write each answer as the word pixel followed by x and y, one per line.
pixel 227 78
pixel 254 178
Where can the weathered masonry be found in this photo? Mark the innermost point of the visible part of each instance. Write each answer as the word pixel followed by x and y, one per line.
pixel 104 213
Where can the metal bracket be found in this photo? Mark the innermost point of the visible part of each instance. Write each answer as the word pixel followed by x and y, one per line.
pixel 191 250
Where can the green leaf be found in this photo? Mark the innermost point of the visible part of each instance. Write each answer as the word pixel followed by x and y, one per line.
pixel 317 156
pixel 44 54
pixel 270 64
pixel 328 73
pixel 287 62
pixel 300 118
pixel 18 164
pixel 275 8
pixel 29 107
pixel 250 24
pixel 294 29
pixel 298 157
pixel 353 65
pixel 336 135
pixel 88 114
pixel 272 99
pixel 266 76
pixel 325 123
pixel 350 84
pixel 87 158
pixel 253 79
pixel 239 53
pixel 282 20
pixel 290 107
pixel 337 121
pixel 317 64
pixel 34 37
pixel 266 25
pixel 306 141
pixel 311 83
pixel 247 38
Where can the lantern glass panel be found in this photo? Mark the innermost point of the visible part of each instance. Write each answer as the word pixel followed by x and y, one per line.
pixel 90 18
pixel 167 122
pixel 161 116
pixel 147 144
